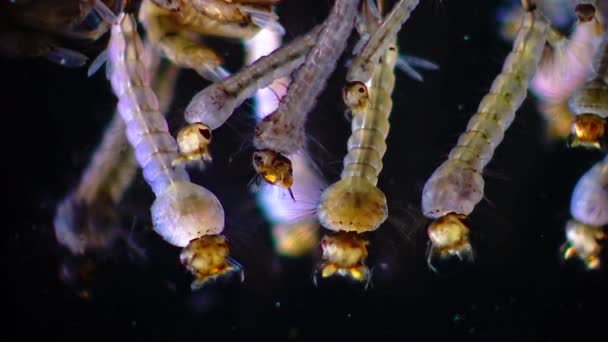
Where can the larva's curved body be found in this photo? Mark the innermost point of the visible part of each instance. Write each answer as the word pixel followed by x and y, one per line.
pixel 589 210
pixel 214 104
pixel 183 213
pixel 455 188
pixel 364 63
pixel 283 130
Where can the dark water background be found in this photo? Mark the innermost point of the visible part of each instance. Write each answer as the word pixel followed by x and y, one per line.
pixel 518 289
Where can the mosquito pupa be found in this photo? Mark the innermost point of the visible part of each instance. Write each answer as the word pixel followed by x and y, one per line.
pixel 184 214
pixel 282 132
pixel 589 210
pixel 455 187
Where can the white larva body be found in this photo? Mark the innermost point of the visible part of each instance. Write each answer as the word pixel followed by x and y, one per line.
pixel 182 211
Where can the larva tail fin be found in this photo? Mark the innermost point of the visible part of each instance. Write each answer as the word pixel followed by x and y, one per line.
pixel 106 14
pixel 213 74
pixel 97 63
pixel 264 19
pixel 407 65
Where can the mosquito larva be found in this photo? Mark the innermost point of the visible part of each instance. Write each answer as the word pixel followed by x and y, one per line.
pixel 590 105
pixel 184 214
pixel 354 204
pixel 212 106
pixel 294 235
pixel 364 63
pixel 589 209
pixel 454 189
pixel 282 132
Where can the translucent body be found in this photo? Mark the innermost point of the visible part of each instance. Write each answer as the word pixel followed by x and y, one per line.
pixel 88 218
pixel 355 203
pixel 457 185
pixel 364 63
pixel 283 130
pixel 184 214
pixel 293 236
pixel 214 104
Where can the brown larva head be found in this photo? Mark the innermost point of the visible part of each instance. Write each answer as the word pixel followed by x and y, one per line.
pixel 589 130
pixel 273 167
pixel 344 254
pixel 449 237
pixel 355 95
pixel 193 142
pixel 583 241
pixel 207 258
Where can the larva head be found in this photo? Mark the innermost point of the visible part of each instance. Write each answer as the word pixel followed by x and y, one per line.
pixel 355 95
pixel 170 5
pixel 344 254
pixel 582 241
pixel 207 258
pixel 589 130
pixel 449 236
pixel 273 167
pixel 193 142
pixel 352 204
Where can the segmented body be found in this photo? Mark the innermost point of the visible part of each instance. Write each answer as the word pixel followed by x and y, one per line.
pixel 182 211
pixel 370 124
pixel 283 130
pixel 214 104
pixel 364 63
pixel 457 185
